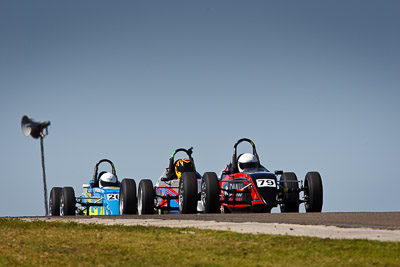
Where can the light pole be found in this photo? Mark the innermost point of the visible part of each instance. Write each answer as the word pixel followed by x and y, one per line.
pixel 37 130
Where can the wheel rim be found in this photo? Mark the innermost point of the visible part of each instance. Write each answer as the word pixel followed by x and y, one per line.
pixel 181 192
pixel 62 206
pixel 140 202
pixel 306 195
pixel 121 204
pixel 203 194
pixel 50 208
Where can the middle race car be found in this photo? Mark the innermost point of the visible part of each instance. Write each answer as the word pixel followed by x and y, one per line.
pixel 104 195
pixel 247 186
pixel 177 190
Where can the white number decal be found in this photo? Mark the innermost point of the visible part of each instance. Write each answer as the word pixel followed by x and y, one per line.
pixel 113 197
pixel 266 183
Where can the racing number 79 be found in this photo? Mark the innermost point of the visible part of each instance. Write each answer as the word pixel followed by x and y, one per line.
pixel 266 183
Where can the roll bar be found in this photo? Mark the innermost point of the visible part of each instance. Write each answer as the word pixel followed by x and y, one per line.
pixel 172 159
pixel 96 170
pixel 234 157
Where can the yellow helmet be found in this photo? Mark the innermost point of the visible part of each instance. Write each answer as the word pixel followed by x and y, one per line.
pixel 183 165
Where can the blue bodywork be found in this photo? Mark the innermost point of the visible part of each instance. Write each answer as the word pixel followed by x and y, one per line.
pixel 166 198
pixel 99 201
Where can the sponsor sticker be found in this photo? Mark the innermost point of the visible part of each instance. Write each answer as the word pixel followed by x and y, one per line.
pixel 112 196
pixel 266 183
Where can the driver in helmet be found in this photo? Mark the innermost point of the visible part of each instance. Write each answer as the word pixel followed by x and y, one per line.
pixel 247 161
pixel 183 165
pixel 107 179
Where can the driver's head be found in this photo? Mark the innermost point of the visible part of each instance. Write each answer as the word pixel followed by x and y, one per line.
pixel 246 161
pixel 183 165
pixel 108 179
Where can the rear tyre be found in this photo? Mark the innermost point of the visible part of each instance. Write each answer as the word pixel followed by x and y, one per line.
pixel 313 192
pixel 210 193
pixel 54 201
pixel 127 197
pixel 290 195
pixel 188 193
pixel 67 203
pixel 146 197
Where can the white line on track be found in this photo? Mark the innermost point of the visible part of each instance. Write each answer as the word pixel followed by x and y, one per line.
pixel 319 231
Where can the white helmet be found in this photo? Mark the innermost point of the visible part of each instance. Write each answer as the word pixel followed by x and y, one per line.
pixel 108 179
pixel 246 161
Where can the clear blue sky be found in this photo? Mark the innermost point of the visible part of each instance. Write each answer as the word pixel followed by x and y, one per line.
pixel 315 84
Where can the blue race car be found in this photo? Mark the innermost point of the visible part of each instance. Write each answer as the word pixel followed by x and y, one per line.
pixel 104 195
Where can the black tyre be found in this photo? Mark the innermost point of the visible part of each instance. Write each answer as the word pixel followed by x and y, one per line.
pixel 210 193
pixel 54 201
pixel 146 197
pixel 127 197
pixel 290 195
pixel 313 192
pixel 188 193
pixel 67 203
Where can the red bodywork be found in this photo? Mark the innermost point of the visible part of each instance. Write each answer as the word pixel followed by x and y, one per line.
pixel 238 191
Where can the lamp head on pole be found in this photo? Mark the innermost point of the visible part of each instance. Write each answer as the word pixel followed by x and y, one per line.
pixel 33 128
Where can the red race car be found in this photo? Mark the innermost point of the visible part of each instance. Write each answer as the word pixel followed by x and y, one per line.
pixel 247 186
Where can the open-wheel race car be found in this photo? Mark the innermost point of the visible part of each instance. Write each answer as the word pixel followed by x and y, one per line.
pixel 176 191
pixel 104 195
pixel 247 186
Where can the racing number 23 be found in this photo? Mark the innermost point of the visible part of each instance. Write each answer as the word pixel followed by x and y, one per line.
pixel 266 183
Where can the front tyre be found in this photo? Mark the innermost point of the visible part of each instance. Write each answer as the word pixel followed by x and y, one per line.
pixel 188 193
pixel 313 192
pixel 146 197
pixel 127 197
pixel 290 195
pixel 210 193
pixel 54 201
pixel 68 202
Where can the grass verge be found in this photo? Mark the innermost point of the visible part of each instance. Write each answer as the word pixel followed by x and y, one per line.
pixel 70 244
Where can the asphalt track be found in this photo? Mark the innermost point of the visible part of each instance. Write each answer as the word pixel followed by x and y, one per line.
pixel 379 220
pixel 381 226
